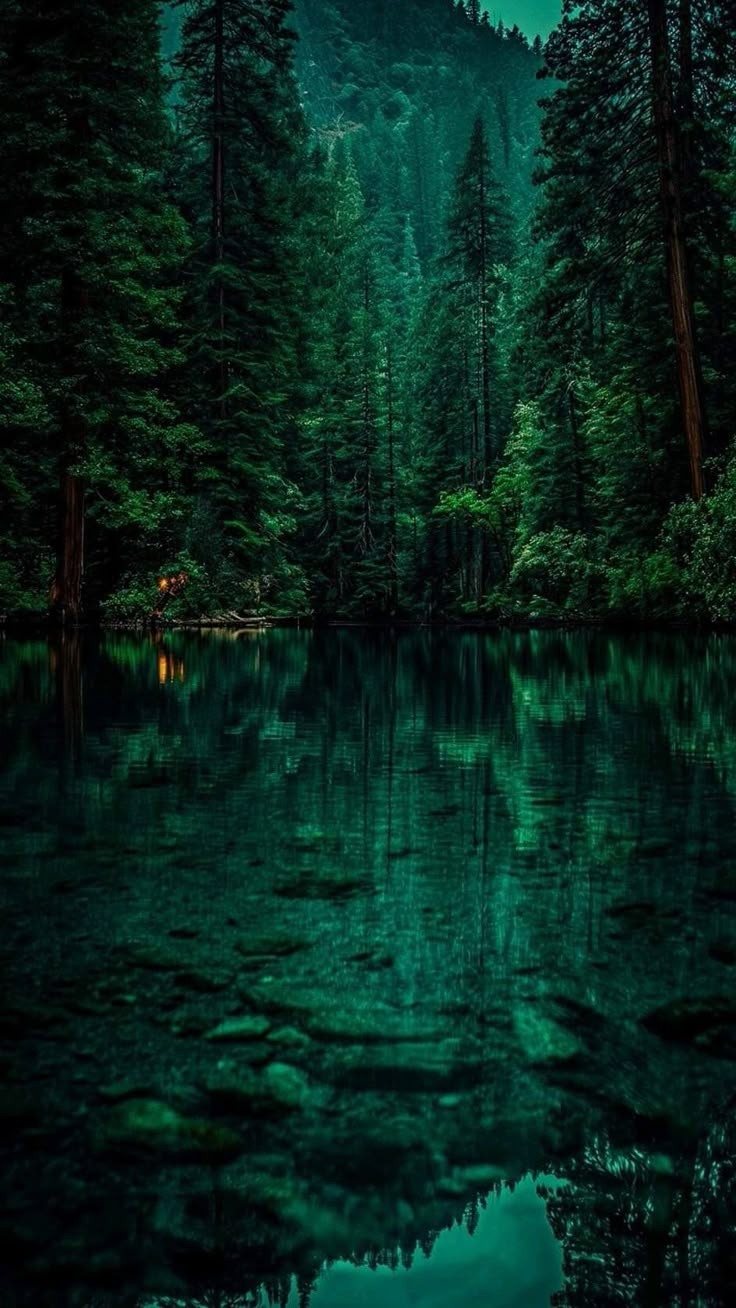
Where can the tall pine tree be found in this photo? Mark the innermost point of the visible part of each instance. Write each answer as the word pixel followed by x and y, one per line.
pixel 88 250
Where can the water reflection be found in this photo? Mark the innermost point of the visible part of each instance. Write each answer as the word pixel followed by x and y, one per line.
pixel 504 1255
pixel 169 668
pixel 501 1253
pixel 346 931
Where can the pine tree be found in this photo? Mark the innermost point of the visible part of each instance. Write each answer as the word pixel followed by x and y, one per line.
pixel 346 426
pixel 242 160
pixel 479 243
pixel 463 407
pixel 89 248
pixel 628 220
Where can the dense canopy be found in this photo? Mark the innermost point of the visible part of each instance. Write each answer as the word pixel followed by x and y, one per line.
pixel 370 311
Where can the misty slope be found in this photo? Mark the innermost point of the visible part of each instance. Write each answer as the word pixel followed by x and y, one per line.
pixel 406 82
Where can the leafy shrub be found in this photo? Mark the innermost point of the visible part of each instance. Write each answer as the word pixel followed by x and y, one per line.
pixel 554 569
pixel 700 540
pixel 16 596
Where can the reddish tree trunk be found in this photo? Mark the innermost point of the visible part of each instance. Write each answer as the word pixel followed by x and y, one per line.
pixel 671 185
pixel 485 343
pixel 66 593
pixel 218 192
pixel 392 545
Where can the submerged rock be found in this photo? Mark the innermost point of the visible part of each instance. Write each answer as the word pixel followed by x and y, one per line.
pixel 153 1127
pixel 279 1088
pixel 249 1027
pixel 329 1018
pixel 375 1025
pixel 152 957
pixel 543 1039
pixel 189 1022
pixel 418 1068
pixel 287 1085
pixel 289 1037
pixel 268 947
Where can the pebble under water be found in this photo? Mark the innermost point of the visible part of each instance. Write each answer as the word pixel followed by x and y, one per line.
pixel 352 968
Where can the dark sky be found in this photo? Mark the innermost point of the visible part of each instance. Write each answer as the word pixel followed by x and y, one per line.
pixel 532 16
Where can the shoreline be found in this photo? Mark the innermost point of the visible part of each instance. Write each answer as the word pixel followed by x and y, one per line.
pixel 481 626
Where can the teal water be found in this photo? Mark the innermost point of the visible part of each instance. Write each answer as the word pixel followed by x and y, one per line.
pixel 350 968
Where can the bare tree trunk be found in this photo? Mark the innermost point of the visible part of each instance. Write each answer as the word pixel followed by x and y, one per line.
pixel 671 185
pixel 577 460
pixel 66 589
pixel 392 546
pixel 488 452
pixel 484 324
pixel 366 530
pixel 218 193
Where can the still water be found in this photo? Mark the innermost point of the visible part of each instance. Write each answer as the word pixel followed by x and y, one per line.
pixel 356 969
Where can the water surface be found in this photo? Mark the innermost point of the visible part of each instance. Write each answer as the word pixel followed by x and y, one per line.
pixel 356 968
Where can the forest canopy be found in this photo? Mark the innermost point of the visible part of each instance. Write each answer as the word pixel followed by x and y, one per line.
pixel 368 311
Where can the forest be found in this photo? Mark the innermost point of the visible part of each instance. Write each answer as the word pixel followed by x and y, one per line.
pixel 379 311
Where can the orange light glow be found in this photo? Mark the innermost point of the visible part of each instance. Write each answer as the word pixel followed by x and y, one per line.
pixel 163 583
pixel 169 669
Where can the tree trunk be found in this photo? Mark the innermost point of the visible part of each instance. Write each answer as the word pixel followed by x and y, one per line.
pixel 66 662
pixel 671 186
pixel 366 529
pixel 577 460
pixel 392 554
pixel 218 194
pixel 66 591
pixel 66 588
pixel 484 325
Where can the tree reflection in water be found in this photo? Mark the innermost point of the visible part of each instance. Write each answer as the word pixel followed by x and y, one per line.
pixel 470 904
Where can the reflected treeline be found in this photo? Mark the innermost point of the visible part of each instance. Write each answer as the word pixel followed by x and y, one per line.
pixel 466 685
pixel 469 903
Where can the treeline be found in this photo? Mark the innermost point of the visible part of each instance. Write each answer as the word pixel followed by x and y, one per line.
pixel 288 328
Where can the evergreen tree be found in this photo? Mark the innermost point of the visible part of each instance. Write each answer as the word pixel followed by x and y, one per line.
pixel 463 401
pixel 345 428
pixel 286 327
pixel 242 155
pixel 88 250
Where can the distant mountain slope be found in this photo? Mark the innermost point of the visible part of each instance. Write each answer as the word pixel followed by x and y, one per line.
pixel 405 81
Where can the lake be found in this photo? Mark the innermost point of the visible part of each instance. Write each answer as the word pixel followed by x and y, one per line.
pixel 358 968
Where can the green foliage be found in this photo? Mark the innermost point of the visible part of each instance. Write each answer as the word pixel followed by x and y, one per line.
pixel 700 549
pixel 554 567
pixel 292 315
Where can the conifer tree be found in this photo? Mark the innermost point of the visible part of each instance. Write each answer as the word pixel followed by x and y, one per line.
pixel 88 249
pixel 242 153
